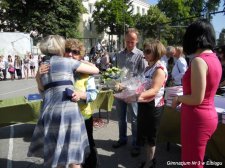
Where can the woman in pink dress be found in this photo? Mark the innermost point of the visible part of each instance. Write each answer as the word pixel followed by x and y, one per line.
pixel 198 115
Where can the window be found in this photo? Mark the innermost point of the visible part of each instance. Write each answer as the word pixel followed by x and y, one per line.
pixel 138 9
pixel 90 25
pixel 143 11
pixel 90 8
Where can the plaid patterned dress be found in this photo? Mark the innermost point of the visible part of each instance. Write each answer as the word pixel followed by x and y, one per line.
pixel 60 135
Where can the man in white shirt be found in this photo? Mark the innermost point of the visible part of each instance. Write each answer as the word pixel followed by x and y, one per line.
pixel 179 67
pixel 170 52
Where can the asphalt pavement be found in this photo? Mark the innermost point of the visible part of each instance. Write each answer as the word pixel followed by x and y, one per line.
pixel 15 139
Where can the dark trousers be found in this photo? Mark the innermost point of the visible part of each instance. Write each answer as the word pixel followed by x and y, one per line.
pixel 4 73
pixel 19 73
pixel 91 160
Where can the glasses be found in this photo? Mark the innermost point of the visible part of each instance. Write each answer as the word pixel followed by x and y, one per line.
pixel 75 52
pixel 147 51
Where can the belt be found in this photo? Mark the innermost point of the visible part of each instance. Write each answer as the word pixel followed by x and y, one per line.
pixel 58 83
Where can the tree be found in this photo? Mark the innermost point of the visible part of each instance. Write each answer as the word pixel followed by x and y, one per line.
pixel 221 40
pixel 150 24
pixel 112 16
pixel 46 16
pixel 183 12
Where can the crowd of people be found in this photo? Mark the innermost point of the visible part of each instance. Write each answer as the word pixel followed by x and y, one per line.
pixel 18 68
pixel 63 135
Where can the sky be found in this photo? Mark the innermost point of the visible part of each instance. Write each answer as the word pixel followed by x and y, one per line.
pixel 218 20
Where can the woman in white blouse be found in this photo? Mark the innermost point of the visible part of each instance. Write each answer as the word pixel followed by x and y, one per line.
pixel 180 66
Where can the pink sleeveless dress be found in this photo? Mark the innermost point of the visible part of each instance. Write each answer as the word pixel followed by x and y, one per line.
pixel 198 122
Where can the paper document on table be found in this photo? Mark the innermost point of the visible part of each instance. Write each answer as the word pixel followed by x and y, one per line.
pixel 220 110
pixel 219 102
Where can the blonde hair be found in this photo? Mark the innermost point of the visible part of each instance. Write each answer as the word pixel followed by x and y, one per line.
pixel 53 45
pixel 156 47
pixel 132 30
pixel 75 44
pixel 179 49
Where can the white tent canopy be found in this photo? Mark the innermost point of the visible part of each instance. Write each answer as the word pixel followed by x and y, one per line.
pixel 13 43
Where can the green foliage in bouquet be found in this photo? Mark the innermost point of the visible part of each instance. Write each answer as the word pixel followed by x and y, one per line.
pixel 111 73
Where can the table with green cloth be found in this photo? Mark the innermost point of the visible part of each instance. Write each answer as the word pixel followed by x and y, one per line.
pixel 103 101
pixel 169 131
pixel 19 110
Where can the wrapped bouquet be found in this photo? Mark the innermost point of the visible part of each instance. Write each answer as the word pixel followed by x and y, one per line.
pixel 131 87
pixel 112 76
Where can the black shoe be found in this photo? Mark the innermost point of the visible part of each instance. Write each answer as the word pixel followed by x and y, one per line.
pixel 152 165
pixel 135 151
pixel 142 164
pixel 118 144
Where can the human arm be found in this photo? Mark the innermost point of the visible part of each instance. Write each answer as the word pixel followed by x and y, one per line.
pixel 43 68
pixel 157 82
pixel 88 69
pixel 39 83
pixel 89 95
pixel 199 70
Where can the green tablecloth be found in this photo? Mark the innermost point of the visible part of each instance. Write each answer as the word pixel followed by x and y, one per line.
pixel 104 100
pixel 19 110
pixel 169 131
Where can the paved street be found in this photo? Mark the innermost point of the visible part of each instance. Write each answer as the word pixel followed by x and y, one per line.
pixel 14 140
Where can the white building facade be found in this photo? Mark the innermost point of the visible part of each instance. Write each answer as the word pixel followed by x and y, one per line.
pixel 87 26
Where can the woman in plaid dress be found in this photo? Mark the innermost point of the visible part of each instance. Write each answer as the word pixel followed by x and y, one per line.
pixel 60 135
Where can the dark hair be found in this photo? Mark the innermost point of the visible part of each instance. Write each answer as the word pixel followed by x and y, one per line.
pixel 199 35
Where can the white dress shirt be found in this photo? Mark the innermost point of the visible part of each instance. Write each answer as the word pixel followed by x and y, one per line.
pixel 178 71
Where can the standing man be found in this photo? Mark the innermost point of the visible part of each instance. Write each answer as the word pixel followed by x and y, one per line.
pixel 133 59
pixel 168 61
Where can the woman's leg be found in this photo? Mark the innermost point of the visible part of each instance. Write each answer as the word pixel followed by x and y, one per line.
pixel 150 153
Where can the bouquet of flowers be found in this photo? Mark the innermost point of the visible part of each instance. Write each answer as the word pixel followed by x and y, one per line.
pixel 111 73
pixel 131 88
pixel 112 76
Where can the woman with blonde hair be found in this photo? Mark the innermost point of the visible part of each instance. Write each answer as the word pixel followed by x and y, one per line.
pixel 18 66
pixel 60 135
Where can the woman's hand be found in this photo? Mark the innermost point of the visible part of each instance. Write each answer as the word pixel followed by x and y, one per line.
pixel 75 96
pixel 43 69
pixel 78 95
pixel 175 102
pixel 119 87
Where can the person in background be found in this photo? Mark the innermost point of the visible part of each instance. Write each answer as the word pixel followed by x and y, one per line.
pixel 133 59
pixel 200 82
pixel 221 54
pixel 3 66
pixel 151 101
pixel 60 135
pixel 105 61
pixel 18 66
pixel 11 68
pixel 86 57
pixel 26 66
pixel 92 53
pixel 32 65
pixel 85 91
pixel 168 61
pixel 179 67
pixel 39 60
